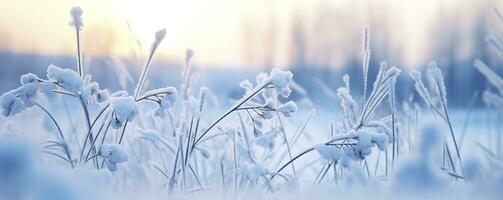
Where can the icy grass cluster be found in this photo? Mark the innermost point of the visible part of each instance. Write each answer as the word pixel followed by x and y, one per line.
pixel 357 133
pixel 166 139
pixel 437 101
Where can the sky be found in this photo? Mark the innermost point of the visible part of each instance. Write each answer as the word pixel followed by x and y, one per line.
pixel 230 33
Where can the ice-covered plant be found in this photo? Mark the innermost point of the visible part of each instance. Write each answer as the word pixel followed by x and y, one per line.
pixel 76 14
pixel 101 110
pixel 437 101
pixel 277 82
pixel 359 133
pixel 113 154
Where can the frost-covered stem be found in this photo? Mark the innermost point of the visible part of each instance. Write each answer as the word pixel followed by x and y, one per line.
pixel 88 121
pixel 196 177
pixel 267 182
pixel 291 161
pixel 222 176
pixel 444 105
pixel 151 95
pixel 79 55
pixel 447 153
pixel 88 135
pixel 143 75
pixel 386 162
pixel 372 107
pixel 172 180
pixel 366 165
pixel 247 140
pixel 377 164
pixel 297 135
pixel 184 181
pixel 235 179
pixel 366 62
pixel 393 139
pixel 241 102
pixel 86 113
pixel 325 172
pixel 97 135
pixel 287 147
pixel 188 141
pixel 65 145
pixel 467 119
pixel 375 99
pixel 455 143
pixel 498 136
pixel 336 138
pixel 123 131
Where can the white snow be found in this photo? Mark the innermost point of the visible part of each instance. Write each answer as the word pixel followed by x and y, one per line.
pixel 114 155
pixel 66 78
pixel 125 109
pixel 10 104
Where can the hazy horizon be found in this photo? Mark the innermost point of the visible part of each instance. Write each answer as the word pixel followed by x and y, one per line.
pixel 242 33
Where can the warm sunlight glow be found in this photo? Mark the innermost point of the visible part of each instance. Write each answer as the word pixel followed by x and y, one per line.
pixel 223 33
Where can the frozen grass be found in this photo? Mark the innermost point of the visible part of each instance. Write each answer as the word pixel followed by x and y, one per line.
pixel 164 143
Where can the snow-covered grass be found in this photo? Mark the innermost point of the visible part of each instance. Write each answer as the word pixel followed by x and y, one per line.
pixel 64 137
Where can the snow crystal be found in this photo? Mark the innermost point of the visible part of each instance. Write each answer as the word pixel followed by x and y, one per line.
pixel 125 109
pixel 66 78
pixel 10 104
